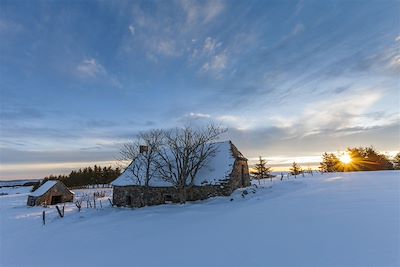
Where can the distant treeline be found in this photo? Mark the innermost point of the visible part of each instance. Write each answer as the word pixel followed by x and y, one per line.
pixel 360 159
pixel 86 176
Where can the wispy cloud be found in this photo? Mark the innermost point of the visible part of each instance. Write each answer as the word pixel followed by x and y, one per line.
pixel 8 26
pixel 194 115
pixel 216 64
pixel 131 29
pixel 298 28
pixel 299 7
pixel 210 46
pixel 202 12
pixel 167 47
pixel 161 37
pixel 90 68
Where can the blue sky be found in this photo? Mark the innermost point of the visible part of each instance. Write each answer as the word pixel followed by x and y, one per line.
pixel 290 79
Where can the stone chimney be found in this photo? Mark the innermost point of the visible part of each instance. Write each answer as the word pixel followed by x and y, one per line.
pixel 143 149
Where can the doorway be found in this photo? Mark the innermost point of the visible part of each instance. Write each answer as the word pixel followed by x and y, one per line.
pixel 128 200
pixel 56 200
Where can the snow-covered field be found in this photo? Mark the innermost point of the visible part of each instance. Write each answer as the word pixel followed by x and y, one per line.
pixel 343 219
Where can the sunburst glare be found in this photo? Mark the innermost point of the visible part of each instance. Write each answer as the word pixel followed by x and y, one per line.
pixel 345 158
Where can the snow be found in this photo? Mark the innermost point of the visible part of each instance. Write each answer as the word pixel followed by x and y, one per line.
pixel 15 190
pixel 43 189
pixel 338 219
pixel 218 168
pixel 16 182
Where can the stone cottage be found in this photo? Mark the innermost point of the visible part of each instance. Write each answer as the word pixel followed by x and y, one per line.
pixel 224 172
pixel 51 192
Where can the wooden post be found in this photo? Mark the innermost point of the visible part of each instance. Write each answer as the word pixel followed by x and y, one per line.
pixel 59 212
pixel 44 218
pixel 101 205
pixel 78 205
pixel 94 200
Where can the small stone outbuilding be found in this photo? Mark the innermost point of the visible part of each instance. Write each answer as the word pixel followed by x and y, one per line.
pixel 51 192
pixel 225 171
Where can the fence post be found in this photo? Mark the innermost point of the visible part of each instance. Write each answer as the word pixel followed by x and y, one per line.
pixel 44 218
pixel 59 212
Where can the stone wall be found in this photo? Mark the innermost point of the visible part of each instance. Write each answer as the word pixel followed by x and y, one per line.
pixel 139 196
pixel 240 176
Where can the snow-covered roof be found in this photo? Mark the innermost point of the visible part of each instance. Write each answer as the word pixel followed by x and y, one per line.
pixel 43 189
pixel 217 170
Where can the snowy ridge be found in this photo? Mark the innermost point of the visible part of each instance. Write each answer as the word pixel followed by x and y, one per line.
pixel 216 171
pixel 43 189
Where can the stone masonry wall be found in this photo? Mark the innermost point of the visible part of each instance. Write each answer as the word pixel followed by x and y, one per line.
pixel 139 196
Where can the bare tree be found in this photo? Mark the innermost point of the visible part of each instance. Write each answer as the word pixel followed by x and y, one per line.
pixel 143 154
pixel 185 152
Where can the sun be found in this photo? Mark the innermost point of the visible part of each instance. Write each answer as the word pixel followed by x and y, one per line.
pixel 345 158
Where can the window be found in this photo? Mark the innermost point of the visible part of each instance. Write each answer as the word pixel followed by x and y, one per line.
pixel 167 198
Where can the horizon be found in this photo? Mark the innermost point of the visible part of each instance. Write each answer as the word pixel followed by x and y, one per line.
pixel 289 79
pixel 277 164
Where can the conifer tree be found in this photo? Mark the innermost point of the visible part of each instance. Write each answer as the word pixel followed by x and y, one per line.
pixel 261 171
pixel 330 163
pixel 396 161
pixel 295 169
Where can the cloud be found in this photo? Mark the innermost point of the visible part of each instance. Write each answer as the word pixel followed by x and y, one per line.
pixel 274 141
pixel 210 46
pixel 298 28
pixel 91 68
pixel 155 33
pixel 131 29
pixel 338 113
pixel 8 26
pixel 193 115
pixel 299 7
pixel 210 57
pixel 162 38
pixel 100 123
pixel 167 47
pixel 216 64
pixel 341 115
pixel 201 12
pixel 227 120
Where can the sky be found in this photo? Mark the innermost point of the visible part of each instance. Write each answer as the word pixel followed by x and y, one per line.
pixel 289 79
